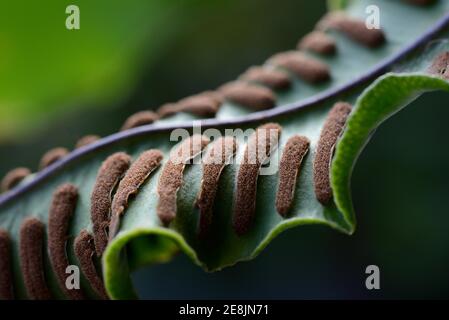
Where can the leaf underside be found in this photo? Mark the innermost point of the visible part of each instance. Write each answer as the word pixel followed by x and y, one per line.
pixel 142 240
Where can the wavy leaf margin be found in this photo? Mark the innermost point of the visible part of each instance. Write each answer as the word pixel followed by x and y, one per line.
pixel 386 96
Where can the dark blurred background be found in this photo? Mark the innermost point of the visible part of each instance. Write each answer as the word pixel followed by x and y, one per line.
pixel 58 85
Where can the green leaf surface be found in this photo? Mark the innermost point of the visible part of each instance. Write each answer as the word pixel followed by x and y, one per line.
pixel 142 239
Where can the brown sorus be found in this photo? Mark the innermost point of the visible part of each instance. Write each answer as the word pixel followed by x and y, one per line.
pixel 137 174
pixel 307 68
pixel 318 42
pixel 84 251
pixel 353 28
pixel 62 208
pixel 31 246
pixel 52 156
pixel 171 178
pixel 259 147
pixel 440 66
pixel 332 129
pixel 204 104
pixel 6 279
pixel 289 168
pixel 214 162
pixel 268 76
pixel 248 95
pixel 168 109
pixel 86 140
pixel 13 178
pixel 109 174
pixel 139 119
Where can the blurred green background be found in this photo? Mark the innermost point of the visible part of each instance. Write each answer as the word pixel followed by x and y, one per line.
pixel 57 85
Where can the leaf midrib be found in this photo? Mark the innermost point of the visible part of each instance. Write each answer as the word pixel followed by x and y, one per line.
pixel 379 69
